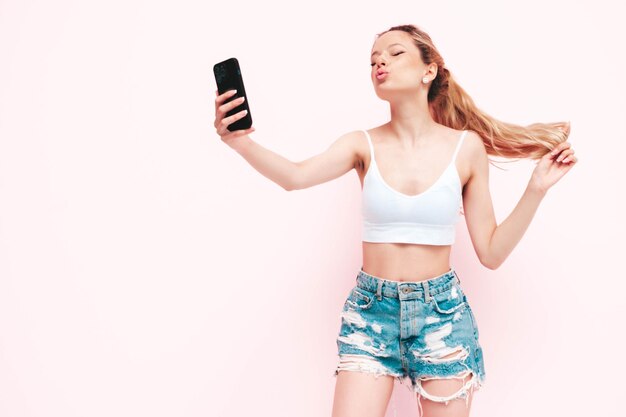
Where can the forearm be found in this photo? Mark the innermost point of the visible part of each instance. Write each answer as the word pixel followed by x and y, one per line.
pixel 508 234
pixel 270 164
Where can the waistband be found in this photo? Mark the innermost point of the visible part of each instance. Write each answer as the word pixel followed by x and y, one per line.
pixel 402 289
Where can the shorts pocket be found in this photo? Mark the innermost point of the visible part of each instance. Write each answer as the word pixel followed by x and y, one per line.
pixel 449 301
pixel 360 299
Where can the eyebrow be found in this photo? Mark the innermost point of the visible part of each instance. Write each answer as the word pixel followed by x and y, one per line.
pixel 376 52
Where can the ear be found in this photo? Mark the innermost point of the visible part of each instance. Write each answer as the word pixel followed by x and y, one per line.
pixel 431 71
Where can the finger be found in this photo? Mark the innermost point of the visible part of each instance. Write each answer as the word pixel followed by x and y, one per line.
pixel 222 127
pixel 555 150
pixel 222 131
pixel 236 133
pixel 224 108
pixel 222 97
pixel 570 158
pixel 564 155
pixel 554 153
pixel 227 121
pixel 560 157
pixel 560 147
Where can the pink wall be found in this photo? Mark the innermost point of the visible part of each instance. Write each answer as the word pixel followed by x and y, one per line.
pixel 147 269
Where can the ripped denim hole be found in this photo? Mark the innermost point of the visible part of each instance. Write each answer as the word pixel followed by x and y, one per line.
pixel 464 392
pixel 444 355
pixel 363 363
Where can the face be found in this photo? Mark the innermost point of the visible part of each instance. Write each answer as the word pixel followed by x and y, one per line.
pixel 395 53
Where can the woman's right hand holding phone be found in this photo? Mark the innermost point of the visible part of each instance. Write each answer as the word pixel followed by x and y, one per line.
pixel 222 122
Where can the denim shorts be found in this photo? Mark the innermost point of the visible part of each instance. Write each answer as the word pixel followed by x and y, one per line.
pixel 404 329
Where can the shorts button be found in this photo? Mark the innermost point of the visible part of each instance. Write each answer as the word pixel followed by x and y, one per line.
pixel 405 290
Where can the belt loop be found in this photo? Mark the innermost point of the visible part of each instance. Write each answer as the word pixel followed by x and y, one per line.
pixel 379 290
pixel 455 274
pixel 426 293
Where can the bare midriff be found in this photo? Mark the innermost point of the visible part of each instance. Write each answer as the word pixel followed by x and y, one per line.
pixel 405 261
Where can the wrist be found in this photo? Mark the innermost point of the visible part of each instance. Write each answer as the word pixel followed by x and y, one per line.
pixel 240 143
pixel 536 189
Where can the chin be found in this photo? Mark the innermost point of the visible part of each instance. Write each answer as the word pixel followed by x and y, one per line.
pixel 385 93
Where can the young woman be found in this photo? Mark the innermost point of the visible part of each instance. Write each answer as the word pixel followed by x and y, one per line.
pixel 407 315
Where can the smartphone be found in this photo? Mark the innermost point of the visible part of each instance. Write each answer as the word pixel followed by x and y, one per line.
pixel 228 77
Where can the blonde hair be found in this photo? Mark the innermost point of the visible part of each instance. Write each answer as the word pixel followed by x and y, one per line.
pixel 451 106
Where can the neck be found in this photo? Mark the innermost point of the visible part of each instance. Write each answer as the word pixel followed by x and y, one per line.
pixel 411 122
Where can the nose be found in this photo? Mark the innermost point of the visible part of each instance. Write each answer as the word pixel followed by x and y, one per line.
pixel 379 60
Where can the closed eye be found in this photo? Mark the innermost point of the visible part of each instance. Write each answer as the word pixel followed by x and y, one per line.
pixel 398 53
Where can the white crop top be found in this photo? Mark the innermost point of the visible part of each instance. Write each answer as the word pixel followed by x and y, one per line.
pixel 426 218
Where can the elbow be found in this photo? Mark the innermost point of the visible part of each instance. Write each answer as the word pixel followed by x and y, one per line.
pixel 489 266
pixel 490 263
pixel 485 264
pixel 290 186
pixel 291 182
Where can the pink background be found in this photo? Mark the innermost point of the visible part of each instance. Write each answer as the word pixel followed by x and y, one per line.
pixel 147 269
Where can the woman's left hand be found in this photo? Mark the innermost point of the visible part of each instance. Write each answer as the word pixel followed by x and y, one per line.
pixel 552 166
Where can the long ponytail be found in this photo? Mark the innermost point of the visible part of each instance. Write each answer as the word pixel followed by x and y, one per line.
pixel 450 105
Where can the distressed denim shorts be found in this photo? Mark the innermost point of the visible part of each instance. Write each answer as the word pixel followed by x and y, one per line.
pixel 404 329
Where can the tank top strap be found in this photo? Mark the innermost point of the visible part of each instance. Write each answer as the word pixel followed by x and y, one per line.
pixel 369 141
pixel 458 146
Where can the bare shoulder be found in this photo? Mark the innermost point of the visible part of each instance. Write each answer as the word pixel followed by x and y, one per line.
pixel 473 142
pixel 475 151
pixel 358 141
